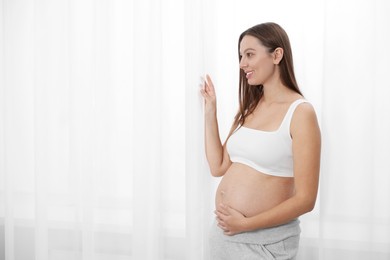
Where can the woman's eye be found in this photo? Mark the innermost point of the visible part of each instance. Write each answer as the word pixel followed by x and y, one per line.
pixel 249 55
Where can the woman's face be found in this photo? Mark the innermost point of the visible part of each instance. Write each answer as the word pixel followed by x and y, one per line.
pixel 256 61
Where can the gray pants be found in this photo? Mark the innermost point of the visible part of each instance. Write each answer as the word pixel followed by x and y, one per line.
pixel 276 243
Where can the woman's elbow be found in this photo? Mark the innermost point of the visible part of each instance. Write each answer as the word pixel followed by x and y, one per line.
pixel 310 207
pixel 217 172
pixel 307 204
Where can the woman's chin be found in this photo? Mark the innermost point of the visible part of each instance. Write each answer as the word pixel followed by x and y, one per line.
pixel 253 82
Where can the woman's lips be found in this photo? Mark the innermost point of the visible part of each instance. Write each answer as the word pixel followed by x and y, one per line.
pixel 249 74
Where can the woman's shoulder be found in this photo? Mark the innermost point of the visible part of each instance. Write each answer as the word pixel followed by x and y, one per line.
pixel 304 116
pixel 304 108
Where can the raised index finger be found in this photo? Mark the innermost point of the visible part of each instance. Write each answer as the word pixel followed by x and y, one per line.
pixel 209 84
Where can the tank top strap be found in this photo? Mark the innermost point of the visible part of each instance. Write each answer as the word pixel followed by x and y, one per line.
pixel 290 112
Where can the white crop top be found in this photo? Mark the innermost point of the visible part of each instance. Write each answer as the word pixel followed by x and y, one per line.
pixel 269 152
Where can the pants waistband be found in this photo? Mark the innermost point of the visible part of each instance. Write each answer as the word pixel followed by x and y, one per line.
pixel 267 235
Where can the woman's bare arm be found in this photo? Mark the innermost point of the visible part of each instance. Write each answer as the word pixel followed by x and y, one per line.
pixel 216 153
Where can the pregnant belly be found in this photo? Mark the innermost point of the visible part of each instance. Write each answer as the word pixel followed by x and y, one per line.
pixel 252 192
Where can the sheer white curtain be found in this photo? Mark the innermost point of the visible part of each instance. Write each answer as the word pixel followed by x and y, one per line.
pixel 101 149
pixel 355 205
pixel 101 130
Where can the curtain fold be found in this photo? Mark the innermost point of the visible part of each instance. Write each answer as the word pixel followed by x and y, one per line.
pixel 199 42
pixel 147 144
pixel 101 124
pixel 355 217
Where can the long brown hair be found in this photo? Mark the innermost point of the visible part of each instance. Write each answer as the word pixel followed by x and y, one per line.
pixel 271 36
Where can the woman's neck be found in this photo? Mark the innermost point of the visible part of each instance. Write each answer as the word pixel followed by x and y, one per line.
pixel 275 93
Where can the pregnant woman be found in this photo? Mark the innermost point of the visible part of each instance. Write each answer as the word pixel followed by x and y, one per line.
pixel 271 159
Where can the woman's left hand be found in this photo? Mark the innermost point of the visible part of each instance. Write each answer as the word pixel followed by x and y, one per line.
pixel 231 221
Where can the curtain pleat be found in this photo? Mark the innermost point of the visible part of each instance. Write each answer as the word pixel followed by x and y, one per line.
pixel 147 136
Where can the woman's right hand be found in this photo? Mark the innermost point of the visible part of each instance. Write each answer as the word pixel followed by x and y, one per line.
pixel 208 93
pixel 217 157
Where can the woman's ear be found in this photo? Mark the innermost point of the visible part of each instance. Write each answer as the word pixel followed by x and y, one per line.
pixel 278 55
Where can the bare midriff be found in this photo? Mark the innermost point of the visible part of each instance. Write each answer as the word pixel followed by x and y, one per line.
pixel 252 192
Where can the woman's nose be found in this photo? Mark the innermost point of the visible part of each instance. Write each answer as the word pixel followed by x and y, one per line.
pixel 243 64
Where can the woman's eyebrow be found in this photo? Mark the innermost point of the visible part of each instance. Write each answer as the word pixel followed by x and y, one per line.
pixel 248 49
